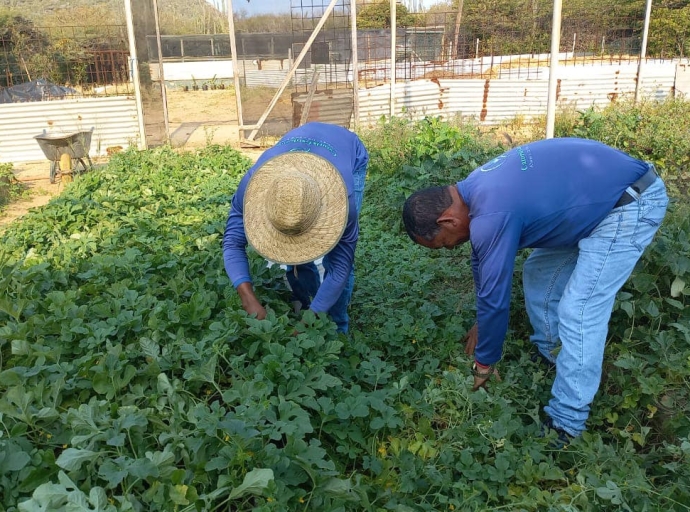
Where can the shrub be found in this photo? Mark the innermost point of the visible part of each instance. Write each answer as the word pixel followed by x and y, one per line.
pixel 10 188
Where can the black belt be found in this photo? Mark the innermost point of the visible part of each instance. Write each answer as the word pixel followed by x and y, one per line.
pixel 639 186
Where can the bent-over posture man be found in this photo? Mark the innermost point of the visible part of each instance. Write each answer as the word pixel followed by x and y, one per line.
pixel 589 211
pixel 298 203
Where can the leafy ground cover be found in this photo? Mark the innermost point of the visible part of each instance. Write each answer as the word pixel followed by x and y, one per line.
pixel 10 188
pixel 131 379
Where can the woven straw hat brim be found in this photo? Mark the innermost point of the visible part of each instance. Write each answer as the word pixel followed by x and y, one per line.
pixel 322 235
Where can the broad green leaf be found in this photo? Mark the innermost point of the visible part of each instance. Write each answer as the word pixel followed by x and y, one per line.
pixel 46 498
pixel 117 439
pixel 338 486
pixel 178 494
pixel 254 483
pixel 15 461
pixel 102 384
pixel 98 500
pixel 21 347
pixel 675 303
pixel 112 473
pixel 72 458
pixel 10 378
pixel 204 372
pixel 51 497
pixel 611 493
pixel 652 309
pixel 143 468
pixel 150 348
pixel 677 287
pixel 164 385
pixel 132 416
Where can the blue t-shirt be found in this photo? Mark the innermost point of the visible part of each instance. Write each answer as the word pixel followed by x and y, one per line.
pixel 346 152
pixel 550 193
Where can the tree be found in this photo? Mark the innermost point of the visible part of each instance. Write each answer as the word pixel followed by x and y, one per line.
pixel 458 21
pixel 19 41
pixel 669 32
pixel 378 15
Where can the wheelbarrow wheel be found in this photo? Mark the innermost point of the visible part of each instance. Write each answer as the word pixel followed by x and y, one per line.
pixel 54 168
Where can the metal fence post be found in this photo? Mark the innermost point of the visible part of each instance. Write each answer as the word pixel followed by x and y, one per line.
pixel 355 64
pixel 134 66
pixel 643 50
pixel 394 21
pixel 235 67
pixel 553 66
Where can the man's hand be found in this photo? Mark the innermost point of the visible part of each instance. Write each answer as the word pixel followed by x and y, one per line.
pixel 249 301
pixel 480 380
pixel 470 340
pixel 255 309
pixel 482 373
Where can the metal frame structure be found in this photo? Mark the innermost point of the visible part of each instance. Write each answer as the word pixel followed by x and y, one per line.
pixel 291 73
pixel 391 79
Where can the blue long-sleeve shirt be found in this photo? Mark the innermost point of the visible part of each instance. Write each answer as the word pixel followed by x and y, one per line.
pixel 546 194
pixel 346 152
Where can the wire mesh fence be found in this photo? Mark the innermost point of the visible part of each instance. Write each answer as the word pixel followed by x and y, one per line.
pixel 331 49
pixel 484 41
pixel 457 39
pixel 86 61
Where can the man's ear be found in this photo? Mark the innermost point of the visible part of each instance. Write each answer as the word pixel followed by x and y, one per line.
pixel 447 219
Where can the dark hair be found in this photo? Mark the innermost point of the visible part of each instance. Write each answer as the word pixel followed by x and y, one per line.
pixel 422 209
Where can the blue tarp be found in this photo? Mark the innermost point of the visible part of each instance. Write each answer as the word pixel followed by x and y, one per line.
pixel 37 90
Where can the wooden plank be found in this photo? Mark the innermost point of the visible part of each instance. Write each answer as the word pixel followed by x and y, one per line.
pixel 310 98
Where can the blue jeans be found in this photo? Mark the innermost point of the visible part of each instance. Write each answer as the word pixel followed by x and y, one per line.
pixel 569 295
pixel 307 281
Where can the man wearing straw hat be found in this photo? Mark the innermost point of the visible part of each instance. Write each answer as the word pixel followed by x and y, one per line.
pixel 298 203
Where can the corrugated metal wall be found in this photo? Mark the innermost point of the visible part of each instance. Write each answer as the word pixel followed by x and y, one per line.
pixel 114 120
pixel 115 123
pixel 497 99
pixel 331 106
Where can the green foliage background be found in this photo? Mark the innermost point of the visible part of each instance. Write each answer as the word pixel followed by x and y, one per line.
pixel 10 188
pixel 131 379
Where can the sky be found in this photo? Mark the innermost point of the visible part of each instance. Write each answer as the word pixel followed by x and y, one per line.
pixel 252 7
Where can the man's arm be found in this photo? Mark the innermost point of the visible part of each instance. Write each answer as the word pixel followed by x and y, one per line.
pixel 495 240
pixel 341 260
pixel 235 256
pixel 361 155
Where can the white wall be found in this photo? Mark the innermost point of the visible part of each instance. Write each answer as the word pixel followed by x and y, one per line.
pixel 200 71
pixel 683 79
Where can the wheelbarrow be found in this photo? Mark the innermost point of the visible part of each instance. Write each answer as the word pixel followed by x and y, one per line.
pixel 75 148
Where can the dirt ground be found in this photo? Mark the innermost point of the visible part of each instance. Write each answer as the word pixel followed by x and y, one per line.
pixel 196 118
pixel 35 176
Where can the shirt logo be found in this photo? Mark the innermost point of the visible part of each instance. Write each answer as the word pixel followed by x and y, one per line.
pixel 494 164
pixel 524 154
pixel 307 141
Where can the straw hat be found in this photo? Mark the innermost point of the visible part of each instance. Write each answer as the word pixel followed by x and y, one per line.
pixel 295 208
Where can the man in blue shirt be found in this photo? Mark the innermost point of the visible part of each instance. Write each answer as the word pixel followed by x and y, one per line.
pixel 298 203
pixel 589 211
